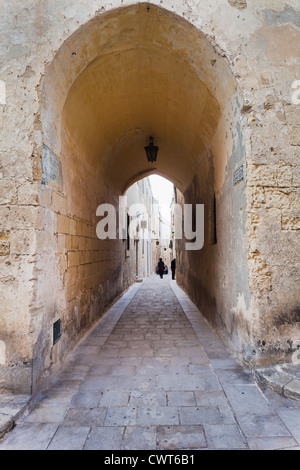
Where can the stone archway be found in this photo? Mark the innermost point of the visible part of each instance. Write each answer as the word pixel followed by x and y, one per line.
pixel 218 104
pixel 131 73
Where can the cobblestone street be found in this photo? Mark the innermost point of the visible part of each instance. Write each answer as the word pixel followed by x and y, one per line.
pixel 152 374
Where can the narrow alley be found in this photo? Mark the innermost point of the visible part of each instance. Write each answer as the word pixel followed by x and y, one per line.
pixel 152 374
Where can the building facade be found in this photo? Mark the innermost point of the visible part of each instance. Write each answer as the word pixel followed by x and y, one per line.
pixel 83 86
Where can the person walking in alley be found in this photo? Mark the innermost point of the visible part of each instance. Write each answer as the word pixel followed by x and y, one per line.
pixel 173 267
pixel 161 267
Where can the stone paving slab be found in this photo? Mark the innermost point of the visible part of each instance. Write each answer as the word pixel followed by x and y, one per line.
pixel 181 437
pixel 153 375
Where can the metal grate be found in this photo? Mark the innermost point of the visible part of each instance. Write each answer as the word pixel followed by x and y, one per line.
pixel 238 175
pixel 56 331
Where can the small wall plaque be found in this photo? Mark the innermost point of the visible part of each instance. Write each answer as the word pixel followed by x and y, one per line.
pixel 238 175
pixel 52 172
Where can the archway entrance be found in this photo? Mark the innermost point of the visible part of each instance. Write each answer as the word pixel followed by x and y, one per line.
pixel 150 228
pixel 129 74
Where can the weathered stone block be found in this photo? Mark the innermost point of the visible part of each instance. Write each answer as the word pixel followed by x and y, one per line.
pixel 73 258
pixel 294 198
pixel 22 217
pixel 63 224
pixel 8 192
pixel 28 193
pixel 292 114
pixel 5 236
pixel 71 275
pixel 296 177
pixel 45 196
pixel 284 175
pixel 277 198
pixel 4 247
pixel 23 242
pixel 62 263
pixel 59 203
pixel 295 136
pixel 261 175
pixel 82 257
pixel 73 226
pixel 68 243
pixel 77 243
pixel 61 243
pixel 256 196
pixel 71 292
pixel 290 223
pixel 260 274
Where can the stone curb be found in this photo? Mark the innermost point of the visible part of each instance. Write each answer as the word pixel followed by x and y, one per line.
pixel 283 379
pixel 11 408
pixel 6 424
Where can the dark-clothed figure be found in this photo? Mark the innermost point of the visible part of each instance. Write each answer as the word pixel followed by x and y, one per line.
pixel 161 267
pixel 173 267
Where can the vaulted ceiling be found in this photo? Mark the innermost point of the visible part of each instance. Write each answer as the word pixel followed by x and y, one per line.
pixel 131 73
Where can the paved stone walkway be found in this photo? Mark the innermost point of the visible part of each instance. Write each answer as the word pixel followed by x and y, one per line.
pixel 153 375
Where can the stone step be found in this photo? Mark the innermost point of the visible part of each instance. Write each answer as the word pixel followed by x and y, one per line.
pixel 282 378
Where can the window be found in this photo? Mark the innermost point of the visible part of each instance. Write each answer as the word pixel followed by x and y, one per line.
pixel 215 221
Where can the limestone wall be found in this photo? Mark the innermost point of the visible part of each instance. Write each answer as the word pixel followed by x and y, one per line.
pixel 261 214
pixel 216 276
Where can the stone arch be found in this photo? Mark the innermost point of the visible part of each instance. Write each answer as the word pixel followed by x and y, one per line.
pixel 125 75
pixel 104 36
pixel 243 166
pixel 139 176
